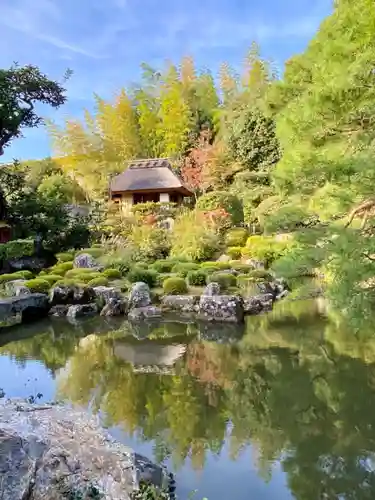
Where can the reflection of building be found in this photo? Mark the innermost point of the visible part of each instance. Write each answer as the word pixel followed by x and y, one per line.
pixel 149 357
pixel 148 181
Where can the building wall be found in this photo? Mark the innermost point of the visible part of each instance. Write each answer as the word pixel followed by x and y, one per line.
pixel 164 197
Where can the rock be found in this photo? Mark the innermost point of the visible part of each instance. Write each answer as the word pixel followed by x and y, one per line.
pixel 12 286
pixel 55 452
pixel 139 295
pixel 212 289
pixel 258 303
pixel 266 288
pixel 180 303
pixel 22 290
pixel 34 264
pixel 114 307
pixel 104 293
pixel 59 311
pixel 81 310
pixel 224 258
pixel 16 310
pixel 221 308
pixel 256 264
pixel 142 313
pixel 71 295
pixel 87 261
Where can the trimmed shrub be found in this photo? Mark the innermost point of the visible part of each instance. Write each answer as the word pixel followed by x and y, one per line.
pixel 183 268
pixel 86 277
pixel 100 281
pixel 10 277
pixel 67 282
pixel 38 285
pixel 163 266
pixel 266 248
pixel 225 280
pixel 242 268
pixel 26 275
pixel 121 264
pixel 175 286
pixel 163 276
pixel 148 276
pixel 219 266
pixel 236 237
pixel 260 274
pixel 61 268
pixel 16 248
pixel 72 273
pixel 234 252
pixel 65 256
pixel 112 274
pixel 51 278
pixel 222 200
pixel 197 278
pixel 94 252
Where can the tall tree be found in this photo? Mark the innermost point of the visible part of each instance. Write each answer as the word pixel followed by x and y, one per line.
pixel 20 89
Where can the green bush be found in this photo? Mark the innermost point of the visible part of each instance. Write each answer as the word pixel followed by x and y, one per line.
pixel 67 282
pixel 10 277
pixel 197 278
pixel 26 275
pixel 16 248
pixel 234 252
pixel 241 268
pixel 72 273
pixel 260 274
pixel 51 278
pixel 65 257
pixel 219 266
pixel 162 277
pixel 121 264
pixel 236 237
pixel 100 281
pixel 148 276
pixel 38 285
pixel 222 200
pixel 61 268
pixel 175 286
pixel 86 277
pixel 150 242
pixel 183 268
pixel 266 248
pixel 112 274
pixel 94 252
pixel 163 266
pixel 225 280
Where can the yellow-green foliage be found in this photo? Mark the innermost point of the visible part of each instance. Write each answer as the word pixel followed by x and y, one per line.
pixel 148 276
pixel 38 285
pixel 193 238
pixel 86 277
pixel 149 242
pixel 197 278
pixel 266 248
pixel 241 268
pixel 100 281
pixel 51 278
pixel 26 275
pixel 72 273
pixel 163 266
pixel 10 277
pixel 94 252
pixel 175 286
pixel 234 252
pixel 218 266
pixel 183 268
pixel 112 274
pixel 61 268
pixel 236 237
pixel 65 257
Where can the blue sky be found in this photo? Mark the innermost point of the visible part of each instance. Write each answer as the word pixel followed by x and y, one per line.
pixel 104 42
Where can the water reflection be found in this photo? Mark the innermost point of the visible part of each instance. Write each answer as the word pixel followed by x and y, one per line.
pixel 296 385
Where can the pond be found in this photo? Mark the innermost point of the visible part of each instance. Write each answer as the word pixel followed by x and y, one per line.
pixel 282 408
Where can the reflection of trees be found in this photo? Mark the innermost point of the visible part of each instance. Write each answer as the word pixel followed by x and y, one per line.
pixel 298 387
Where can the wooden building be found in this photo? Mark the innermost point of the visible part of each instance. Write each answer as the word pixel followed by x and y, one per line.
pixel 148 181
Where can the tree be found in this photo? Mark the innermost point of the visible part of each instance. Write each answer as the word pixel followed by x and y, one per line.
pixel 20 89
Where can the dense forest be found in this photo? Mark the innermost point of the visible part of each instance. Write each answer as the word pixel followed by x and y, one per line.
pixel 294 152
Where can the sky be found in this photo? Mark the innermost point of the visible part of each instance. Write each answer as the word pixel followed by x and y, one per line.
pixel 105 41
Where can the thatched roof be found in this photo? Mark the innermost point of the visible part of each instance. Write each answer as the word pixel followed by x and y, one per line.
pixel 149 175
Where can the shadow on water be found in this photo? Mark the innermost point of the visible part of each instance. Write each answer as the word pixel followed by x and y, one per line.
pixel 292 392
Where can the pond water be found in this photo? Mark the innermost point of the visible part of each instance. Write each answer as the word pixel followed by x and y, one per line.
pixel 282 408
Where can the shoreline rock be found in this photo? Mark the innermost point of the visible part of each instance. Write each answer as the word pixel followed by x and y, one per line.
pixel 53 451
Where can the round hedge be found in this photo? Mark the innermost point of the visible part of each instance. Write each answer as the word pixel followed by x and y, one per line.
pixel 112 274
pixel 163 266
pixel 72 273
pixel 10 277
pixel 62 268
pixel 65 256
pixel 51 278
pixel 234 252
pixel 26 275
pixel 236 237
pixel 38 285
pixel 175 286
pixel 242 268
pixel 148 276
pixel 100 281
pixel 260 274
pixel 183 268
pixel 222 199
pixel 197 278
pixel 225 280
pixel 218 266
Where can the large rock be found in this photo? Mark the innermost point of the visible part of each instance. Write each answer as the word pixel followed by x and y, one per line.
pixel 54 452
pixel 12 287
pixel 144 313
pixel 87 261
pixel 105 293
pixel 258 303
pixel 180 303
pixel 59 311
pixel 81 310
pixel 114 307
pixel 212 289
pixel 33 263
pixel 221 308
pixel 139 295
pixel 16 310
pixel 71 295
